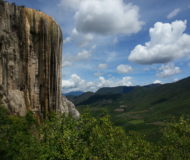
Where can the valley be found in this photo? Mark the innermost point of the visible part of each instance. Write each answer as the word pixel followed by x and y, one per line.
pixel 141 108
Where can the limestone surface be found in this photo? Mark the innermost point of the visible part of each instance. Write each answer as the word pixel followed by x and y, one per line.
pixel 30 61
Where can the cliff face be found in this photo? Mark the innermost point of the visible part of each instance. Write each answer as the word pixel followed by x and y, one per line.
pixel 30 61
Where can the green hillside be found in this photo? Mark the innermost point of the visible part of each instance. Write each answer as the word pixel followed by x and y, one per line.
pixel 115 90
pixel 142 108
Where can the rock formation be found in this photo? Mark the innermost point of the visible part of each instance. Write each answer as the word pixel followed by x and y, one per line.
pixel 69 108
pixel 30 62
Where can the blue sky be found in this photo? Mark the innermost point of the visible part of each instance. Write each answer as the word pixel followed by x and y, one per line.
pixel 120 42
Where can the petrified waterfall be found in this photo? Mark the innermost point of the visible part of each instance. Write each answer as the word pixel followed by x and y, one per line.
pixel 30 61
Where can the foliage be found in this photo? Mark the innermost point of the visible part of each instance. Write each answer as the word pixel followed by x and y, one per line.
pixel 16 140
pixel 63 138
pixel 177 138
pixel 146 109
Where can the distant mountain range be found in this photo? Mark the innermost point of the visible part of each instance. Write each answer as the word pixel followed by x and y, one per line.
pixel 74 93
pixel 138 107
pixel 106 91
pixel 79 97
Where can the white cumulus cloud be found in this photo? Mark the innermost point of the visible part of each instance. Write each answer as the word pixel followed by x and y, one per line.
pixel 168 70
pixel 67 40
pixel 81 39
pixel 83 55
pixel 125 81
pixel 157 82
pixel 167 42
pixel 69 60
pixel 66 63
pixel 122 68
pixel 76 83
pixel 174 13
pixel 102 66
pixel 104 16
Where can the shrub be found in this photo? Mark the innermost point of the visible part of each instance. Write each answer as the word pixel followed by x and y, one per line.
pixel 63 138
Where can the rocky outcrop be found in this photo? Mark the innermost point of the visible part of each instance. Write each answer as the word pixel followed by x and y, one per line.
pixel 69 108
pixel 30 61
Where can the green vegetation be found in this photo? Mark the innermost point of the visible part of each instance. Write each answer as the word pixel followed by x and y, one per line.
pixel 144 109
pixel 63 138
pixel 139 121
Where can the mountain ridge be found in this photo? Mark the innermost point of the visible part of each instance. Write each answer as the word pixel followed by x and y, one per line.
pixel 143 107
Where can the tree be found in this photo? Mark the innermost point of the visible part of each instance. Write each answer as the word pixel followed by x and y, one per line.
pixel 176 140
pixel 63 138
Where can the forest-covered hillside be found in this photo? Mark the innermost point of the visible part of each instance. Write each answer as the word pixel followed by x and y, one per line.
pixel 144 109
pixel 63 138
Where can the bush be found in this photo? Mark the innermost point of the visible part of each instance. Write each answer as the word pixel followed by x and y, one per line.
pixel 16 139
pixel 63 138
pixel 176 140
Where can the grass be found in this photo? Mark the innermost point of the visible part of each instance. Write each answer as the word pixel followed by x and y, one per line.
pixel 136 121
